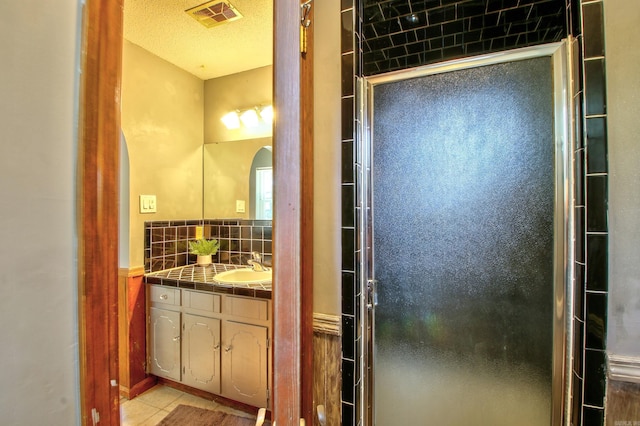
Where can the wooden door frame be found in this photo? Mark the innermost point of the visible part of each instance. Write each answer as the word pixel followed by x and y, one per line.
pixel 97 216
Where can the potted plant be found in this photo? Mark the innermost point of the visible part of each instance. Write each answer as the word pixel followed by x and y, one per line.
pixel 203 249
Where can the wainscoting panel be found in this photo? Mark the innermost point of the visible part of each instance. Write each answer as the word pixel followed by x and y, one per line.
pixel 622 405
pixel 133 378
pixel 326 366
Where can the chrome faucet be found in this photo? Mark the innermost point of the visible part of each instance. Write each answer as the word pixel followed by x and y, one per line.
pixel 256 262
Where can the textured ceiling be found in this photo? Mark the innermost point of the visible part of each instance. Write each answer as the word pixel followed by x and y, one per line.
pixel 164 29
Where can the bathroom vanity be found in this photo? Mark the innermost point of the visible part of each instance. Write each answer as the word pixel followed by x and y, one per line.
pixel 209 335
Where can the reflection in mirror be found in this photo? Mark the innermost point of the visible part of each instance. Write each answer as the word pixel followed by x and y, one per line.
pixel 230 173
pixel 261 185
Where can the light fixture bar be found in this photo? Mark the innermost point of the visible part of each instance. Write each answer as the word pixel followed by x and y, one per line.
pixel 248 117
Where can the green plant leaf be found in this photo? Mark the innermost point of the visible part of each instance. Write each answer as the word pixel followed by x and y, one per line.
pixel 203 247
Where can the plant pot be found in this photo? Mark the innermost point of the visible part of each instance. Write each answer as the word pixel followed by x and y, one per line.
pixel 203 260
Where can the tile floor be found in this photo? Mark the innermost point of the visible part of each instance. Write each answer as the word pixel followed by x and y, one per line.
pixel 149 408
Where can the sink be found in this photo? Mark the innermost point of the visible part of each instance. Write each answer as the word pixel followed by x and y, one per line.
pixel 243 276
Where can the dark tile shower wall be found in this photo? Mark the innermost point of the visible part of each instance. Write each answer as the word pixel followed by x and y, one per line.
pixel 351 62
pixel 166 243
pixel 400 34
pixel 591 179
pixel 381 36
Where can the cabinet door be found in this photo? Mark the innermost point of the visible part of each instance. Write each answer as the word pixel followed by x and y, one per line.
pixel 164 339
pixel 201 352
pixel 245 363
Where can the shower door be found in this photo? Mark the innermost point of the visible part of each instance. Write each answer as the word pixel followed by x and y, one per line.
pixel 467 188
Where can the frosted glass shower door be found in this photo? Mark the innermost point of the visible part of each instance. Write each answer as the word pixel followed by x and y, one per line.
pixel 462 181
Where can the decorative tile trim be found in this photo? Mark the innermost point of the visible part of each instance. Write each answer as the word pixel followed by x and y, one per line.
pixel 327 324
pixel 623 368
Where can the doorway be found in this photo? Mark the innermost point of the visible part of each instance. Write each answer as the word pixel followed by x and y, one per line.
pixel 469 194
pixel 98 210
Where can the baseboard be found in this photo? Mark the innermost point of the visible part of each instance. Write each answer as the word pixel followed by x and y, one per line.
pixel 138 388
pixel 623 368
pixel 327 324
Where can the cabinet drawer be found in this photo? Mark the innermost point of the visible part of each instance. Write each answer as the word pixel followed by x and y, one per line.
pixel 246 308
pixel 207 302
pixel 165 295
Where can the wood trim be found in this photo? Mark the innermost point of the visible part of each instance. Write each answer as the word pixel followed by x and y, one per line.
pixel 623 368
pixel 306 211
pixel 287 216
pixel 98 170
pixel 135 271
pixel 132 335
pixel 97 210
pixel 327 324
pixel 138 388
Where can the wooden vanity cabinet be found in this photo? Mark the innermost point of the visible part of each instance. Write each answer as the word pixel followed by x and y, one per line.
pixel 215 342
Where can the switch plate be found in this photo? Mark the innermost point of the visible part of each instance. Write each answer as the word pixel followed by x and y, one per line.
pixel 147 204
pixel 240 206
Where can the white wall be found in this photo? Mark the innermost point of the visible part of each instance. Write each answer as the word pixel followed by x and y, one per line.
pixel 38 285
pixel 622 28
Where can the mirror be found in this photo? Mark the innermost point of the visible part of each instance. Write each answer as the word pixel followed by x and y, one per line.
pixel 233 174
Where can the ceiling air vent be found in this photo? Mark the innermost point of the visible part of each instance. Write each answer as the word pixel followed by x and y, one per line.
pixel 214 13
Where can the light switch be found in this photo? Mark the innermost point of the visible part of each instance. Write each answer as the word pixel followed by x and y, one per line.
pixel 147 204
pixel 239 206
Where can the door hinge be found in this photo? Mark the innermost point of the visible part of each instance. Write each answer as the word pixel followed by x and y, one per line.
pixel 305 22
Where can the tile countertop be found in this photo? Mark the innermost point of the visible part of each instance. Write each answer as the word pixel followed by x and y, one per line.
pixel 193 277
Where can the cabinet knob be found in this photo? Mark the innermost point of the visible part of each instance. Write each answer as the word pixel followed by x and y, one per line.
pixel 176 339
pixel 164 296
pixel 227 349
pixel 216 347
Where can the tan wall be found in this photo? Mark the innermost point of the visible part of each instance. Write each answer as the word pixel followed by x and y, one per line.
pixel 38 152
pixel 327 152
pixel 236 91
pixel 162 121
pixel 623 103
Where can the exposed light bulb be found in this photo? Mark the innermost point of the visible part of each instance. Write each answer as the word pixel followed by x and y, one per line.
pixel 267 113
pixel 231 120
pixel 249 118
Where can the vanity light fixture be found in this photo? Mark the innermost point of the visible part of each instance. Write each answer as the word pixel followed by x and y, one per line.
pixel 250 118
pixel 267 113
pixel 231 120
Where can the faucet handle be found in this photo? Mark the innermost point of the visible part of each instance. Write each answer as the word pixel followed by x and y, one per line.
pixel 256 256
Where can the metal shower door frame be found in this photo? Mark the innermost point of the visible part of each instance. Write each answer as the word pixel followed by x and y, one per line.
pixel 560 54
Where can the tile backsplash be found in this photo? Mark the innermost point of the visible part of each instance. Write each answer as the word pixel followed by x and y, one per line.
pixel 166 243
